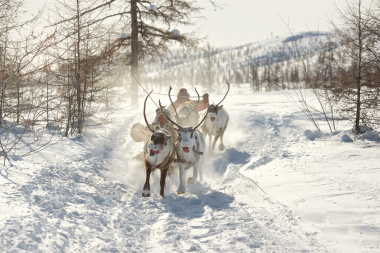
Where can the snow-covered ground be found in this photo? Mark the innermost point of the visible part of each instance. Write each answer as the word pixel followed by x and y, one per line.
pixel 278 187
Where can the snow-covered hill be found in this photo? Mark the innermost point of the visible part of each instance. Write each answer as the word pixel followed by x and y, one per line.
pixel 278 187
pixel 234 63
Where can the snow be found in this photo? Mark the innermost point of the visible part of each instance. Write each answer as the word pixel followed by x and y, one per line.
pixel 278 187
pixel 153 8
pixel 124 35
pixel 176 32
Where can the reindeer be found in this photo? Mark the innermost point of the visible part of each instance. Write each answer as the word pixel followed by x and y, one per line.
pixel 190 147
pixel 159 153
pixel 216 123
pixel 186 115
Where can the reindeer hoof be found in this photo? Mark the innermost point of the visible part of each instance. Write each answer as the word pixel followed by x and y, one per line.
pixel 221 147
pixel 191 180
pixel 146 193
pixel 181 190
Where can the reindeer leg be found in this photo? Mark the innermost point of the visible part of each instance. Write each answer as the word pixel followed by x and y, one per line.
pixel 199 165
pixel 221 145
pixel 214 142
pixel 205 134
pixel 200 173
pixel 209 142
pixel 162 181
pixel 192 180
pixel 181 188
pixel 146 188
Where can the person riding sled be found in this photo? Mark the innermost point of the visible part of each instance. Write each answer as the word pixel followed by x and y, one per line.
pixel 183 96
pixel 141 133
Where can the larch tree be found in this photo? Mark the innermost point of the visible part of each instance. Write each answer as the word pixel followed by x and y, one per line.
pixel 20 103
pixel 81 54
pixel 148 28
pixel 152 27
pixel 351 28
pixel 209 68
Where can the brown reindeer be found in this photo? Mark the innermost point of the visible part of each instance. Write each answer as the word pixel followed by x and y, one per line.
pixel 159 153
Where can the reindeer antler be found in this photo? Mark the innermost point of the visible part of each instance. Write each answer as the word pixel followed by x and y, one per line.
pixel 226 93
pixel 159 102
pixel 199 98
pixel 146 121
pixel 168 118
pixel 175 110
pixel 201 121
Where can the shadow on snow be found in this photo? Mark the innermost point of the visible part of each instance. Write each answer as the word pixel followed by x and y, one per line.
pixel 231 155
pixel 194 206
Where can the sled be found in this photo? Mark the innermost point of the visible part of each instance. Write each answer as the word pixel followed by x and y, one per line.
pixel 139 133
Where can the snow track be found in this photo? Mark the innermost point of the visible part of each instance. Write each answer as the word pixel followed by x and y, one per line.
pixel 88 198
pixel 75 203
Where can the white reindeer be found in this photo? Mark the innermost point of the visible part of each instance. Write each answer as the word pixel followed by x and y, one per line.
pixel 159 153
pixel 190 148
pixel 186 115
pixel 216 123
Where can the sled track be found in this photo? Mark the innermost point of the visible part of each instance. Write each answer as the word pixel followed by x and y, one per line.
pixel 92 203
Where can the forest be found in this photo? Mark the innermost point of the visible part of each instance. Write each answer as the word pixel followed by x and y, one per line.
pixel 57 70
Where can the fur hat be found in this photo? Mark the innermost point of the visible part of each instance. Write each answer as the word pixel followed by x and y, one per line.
pixel 159 113
pixel 205 97
pixel 183 94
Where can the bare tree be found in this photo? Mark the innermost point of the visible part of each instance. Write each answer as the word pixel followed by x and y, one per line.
pixel 254 78
pixel 20 103
pixel 153 27
pixel 352 29
pixel 209 72
pixel 82 52
pixel 149 28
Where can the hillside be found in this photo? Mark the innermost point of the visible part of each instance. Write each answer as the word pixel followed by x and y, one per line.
pixel 212 66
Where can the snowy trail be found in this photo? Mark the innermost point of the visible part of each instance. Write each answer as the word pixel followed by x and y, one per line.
pixel 226 212
pixel 271 190
pixel 92 201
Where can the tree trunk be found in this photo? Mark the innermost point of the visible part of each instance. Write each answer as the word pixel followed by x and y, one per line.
pixel 3 52
pixel 70 98
pixel 47 99
pixel 18 111
pixel 134 57
pixel 78 74
pixel 359 78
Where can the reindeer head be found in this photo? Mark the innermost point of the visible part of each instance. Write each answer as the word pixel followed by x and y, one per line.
pixel 186 138
pixel 213 112
pixel 158 141
pixel 185 134
pixel 159 137
pixel 214 109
